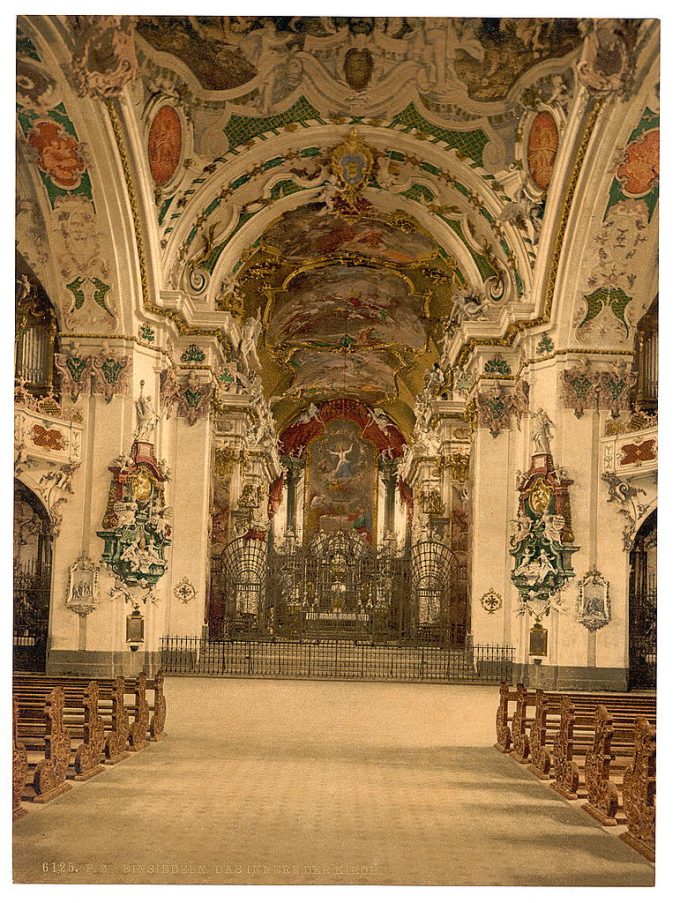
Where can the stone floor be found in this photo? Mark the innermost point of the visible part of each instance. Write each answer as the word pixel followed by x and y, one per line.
pixel 305 782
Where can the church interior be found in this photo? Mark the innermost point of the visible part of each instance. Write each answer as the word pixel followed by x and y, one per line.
pixel 335 450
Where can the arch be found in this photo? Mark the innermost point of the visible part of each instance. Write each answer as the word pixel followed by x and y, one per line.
pixel 642 607
pixel 599 208
pixel 32 579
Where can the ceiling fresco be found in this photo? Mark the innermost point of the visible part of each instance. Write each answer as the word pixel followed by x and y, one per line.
pixel 480 57
pixel 332 234
pixel 347 308
pixel 352 302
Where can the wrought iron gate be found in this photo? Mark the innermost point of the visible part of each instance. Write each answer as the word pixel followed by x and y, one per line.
pixel 336 587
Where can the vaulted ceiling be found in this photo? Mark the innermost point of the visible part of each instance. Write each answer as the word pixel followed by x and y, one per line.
pixel 355 185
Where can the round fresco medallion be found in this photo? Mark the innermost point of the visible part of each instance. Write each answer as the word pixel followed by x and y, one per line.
pixel 165 145
pixel 542 145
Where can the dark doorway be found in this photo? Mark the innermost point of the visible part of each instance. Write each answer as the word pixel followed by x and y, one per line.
pixel 31 579
pixel 642 607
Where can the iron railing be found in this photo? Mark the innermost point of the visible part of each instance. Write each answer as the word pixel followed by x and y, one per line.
pixel 334 659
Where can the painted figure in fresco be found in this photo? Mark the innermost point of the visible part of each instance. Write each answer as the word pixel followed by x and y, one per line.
pixel 379 417
pixel 541 432
pixel 312 413
pixel 343 468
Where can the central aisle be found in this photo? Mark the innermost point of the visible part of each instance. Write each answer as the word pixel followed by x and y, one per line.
pixel 302 782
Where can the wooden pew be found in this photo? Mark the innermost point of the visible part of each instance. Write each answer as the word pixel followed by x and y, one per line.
pixel 539 756
pixel 157 709
pixel 612 750
pixel 576 736
pixel 82 718
pixel 19 765
pixel 545 726
pixel 503 731
pixel 639 791
pixel 49 754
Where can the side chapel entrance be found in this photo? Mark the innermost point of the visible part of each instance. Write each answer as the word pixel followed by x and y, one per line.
pixel 32 573
pixel 642 607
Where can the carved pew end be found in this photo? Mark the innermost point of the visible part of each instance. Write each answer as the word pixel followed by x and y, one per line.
pixel 609 818
pixel 646 849
pixel 90 773
pixel 48 795
pixel 116 758
pixel 541 770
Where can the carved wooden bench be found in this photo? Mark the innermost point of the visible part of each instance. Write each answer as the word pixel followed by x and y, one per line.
pixel 80 716
pixel 639 791
pixel 576 736
pixel 147 718
pixel 545 726
pixel 47 744
pixel 503 717
pixel 19 765
pixel 612 751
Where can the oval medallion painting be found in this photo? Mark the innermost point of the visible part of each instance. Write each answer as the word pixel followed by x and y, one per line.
pixel 542 145
pixel 165 145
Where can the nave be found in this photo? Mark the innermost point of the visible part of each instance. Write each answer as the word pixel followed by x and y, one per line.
pixel 317 782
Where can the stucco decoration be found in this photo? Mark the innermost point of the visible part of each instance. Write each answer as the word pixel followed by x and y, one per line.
pixel 54 486
pixel 136 526
pixel 104 58
pixel 585 388
pixel 170 390
pixel 497 406
pixel 606 62
pixel 593 605
pixel 194 399
pixel 267 59
pixel 612 261
pixel 82 594
pixel 491 601
pixel 543 541
pixel 31 233
pixel 624 493
pixel 75 370
pixel 86 297
pixel 36 88
pixel 110 372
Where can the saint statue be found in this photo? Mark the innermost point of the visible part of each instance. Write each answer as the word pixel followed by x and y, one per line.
pixel 147 418
pixel 541 432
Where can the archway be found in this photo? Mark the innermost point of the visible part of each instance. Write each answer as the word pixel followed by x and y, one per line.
pixel 32 575
pixel 642 607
